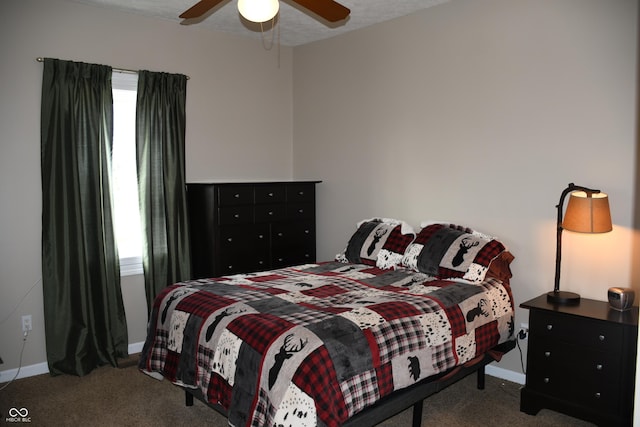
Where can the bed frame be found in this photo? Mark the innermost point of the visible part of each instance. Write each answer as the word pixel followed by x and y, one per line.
pixel 405 398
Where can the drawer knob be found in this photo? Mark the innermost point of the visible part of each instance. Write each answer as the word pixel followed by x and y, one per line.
pixel 230 267
pixel 280 234
pixel 280 259
pixel 549 327
pixel 270 213
pixel 230 239
pixel 237 195
pixel 547 353
pixel 301 193
pixel 601 337
pixel 546 380
pixel 597 395
pixel 260 236
pixel 236 216
pixel 307 231
pixel 270 194
pixel 599 366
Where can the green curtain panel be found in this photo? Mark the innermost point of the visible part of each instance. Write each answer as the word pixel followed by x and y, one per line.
pixel 85 323
pixel 160 134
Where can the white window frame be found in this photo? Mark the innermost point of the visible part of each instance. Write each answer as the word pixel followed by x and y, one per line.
pixel 129 266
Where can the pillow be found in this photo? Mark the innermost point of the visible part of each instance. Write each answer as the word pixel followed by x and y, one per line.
pixel 378 241
pixel 449 251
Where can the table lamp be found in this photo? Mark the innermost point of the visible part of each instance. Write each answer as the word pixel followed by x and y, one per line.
pixel 587 212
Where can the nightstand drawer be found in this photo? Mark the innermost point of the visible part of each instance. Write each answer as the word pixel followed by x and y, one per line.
pixel 603 397
pixel 573 362
pixel 576 330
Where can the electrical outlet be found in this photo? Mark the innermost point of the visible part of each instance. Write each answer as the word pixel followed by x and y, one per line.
pixel 26 323
pixel 524 331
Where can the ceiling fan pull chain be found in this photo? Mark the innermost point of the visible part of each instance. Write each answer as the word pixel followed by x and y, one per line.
pixel 273 29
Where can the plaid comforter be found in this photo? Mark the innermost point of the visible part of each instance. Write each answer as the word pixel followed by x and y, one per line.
pixel 318 343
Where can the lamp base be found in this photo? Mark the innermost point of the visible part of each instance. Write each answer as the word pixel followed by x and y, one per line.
pixel 563 298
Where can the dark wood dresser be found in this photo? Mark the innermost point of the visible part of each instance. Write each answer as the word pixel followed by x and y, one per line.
pixel 250 226
pixel 581 361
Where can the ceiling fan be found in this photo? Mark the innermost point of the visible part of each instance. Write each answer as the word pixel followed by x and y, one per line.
pixel 327 9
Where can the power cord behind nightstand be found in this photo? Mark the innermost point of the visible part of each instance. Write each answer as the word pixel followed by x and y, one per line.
pixel 522 335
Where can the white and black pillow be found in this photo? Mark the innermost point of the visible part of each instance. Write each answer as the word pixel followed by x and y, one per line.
pixel 378 241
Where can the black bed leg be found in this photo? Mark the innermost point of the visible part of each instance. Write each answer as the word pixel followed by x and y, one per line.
pixel 417 414
pixel 481 378
pixel 188 398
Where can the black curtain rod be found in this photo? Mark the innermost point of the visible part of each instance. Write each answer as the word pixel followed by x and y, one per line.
pixel 119 70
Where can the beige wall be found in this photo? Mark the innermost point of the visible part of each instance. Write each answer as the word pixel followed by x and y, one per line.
pixel 480 113
pixel 474 111
pixel 239 126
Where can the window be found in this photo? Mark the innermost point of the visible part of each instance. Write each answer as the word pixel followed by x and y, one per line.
pixel 126 210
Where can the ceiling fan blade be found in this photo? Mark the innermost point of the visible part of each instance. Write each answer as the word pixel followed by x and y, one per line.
pixel 200 8
pixel 328 9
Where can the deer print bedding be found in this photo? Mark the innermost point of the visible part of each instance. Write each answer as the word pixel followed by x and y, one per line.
pixel 316 344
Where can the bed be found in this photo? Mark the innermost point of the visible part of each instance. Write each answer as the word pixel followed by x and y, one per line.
pixel 397 316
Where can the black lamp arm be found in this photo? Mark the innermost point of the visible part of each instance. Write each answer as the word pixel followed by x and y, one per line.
pixel 571 187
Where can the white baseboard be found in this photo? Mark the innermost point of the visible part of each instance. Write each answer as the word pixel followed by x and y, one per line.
pixel 43 368
pixel 514 377
pixel 136 347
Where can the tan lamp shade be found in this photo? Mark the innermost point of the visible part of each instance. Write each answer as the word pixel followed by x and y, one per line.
pixel 587 213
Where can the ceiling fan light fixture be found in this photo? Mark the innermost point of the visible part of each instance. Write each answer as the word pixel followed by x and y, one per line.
pixel 258 10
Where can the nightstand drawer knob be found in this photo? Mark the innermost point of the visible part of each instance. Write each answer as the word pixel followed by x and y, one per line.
pixel 601 337
pixel 549 327
pixel 546 380
pixel 597 395
pixel 230 239
pixel 547 353
pixel 599 366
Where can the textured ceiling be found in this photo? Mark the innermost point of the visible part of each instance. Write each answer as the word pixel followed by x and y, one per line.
pixel 297 26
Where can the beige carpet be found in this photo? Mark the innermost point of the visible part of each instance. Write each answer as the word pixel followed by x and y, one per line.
pixel 127 397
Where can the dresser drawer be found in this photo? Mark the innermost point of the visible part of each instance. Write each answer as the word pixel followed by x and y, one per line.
pixel 275 193
pixel 269 213
pixel 235 215
pixel 235 195
pixel 239 239
pixel 233 263
pixel 301 193
pixel 292 234
pixel 585 332
pixel 300 211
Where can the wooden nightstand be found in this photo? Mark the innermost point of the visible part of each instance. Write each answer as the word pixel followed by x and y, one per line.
pixel 581 361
